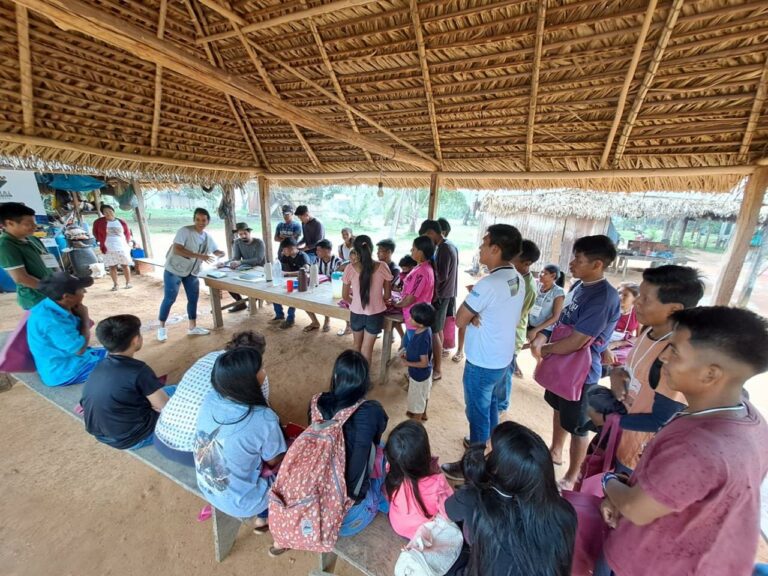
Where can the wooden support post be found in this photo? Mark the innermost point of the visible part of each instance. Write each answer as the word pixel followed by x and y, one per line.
pixel 141 219
pixel 266 228
pixel 97 201
pixel 228 203
pixel 434 195
pixel 754 192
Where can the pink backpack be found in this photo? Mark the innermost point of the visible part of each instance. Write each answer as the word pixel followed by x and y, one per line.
pixel 309 499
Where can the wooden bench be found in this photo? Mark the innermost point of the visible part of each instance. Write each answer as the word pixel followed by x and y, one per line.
pixel 373 552
pixel 147 265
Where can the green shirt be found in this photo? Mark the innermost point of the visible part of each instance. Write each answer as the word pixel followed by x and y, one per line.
pixel 27 254
pixel 530 300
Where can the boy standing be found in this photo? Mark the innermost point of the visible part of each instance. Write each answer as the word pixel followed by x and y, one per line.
pixel 592 308
pixel 291 260
pixel 327 264
pixel 122 398
pixel 418 357
pixel 384 251
pixel 692 505
pixel 312 231
pixel 288 228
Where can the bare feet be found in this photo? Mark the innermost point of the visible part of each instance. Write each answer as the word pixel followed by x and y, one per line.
pixel 565 484
pixel 557 457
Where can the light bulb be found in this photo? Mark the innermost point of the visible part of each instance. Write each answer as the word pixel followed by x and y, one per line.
pixel 380 193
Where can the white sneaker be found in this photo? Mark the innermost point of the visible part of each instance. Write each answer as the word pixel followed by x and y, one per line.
pixel 162 335
pixel 197 331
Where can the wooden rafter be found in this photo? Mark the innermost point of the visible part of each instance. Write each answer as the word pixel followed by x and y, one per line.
pixel 416 21
pixel 25 70
pixel 240 112
pixel 650 74
pixel 754 115
pixel 286 19
pixel 647 20
pixel 541 17
pixel 158 78
pixel 115 31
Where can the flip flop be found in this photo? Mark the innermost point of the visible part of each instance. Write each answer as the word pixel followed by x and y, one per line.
pixel 205 513
pixel 437 377
pixel 326 328
pixel 312 328
pixel 458 357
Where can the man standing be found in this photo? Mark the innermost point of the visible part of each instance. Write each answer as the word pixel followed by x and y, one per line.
pixel 246 251
pixel 312 230
pixel 490 313
pixel 289 228
pixel 23 255
pixel 446 283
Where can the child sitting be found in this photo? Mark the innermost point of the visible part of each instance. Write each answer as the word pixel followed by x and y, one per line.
pixel 416 489
pixel 122 397
pixel 417 356
pixel 406 263
pixel 327 264
pixel 292 260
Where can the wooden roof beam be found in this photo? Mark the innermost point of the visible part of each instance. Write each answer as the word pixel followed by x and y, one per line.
pixel 25 71
pixel 286 19
pixel 541 16
pixel 650 73
pixel 158 79
pixel 647 20
pixel 754 115
pixel 84 18
pixel 416 21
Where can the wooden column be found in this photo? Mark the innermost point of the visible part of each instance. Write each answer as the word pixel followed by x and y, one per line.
pixel 266 228
pixel 228 203
pixel 434 195
pixel 141 218
pixel 741 237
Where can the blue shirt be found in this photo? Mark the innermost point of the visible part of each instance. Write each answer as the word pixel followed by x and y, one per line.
pixel 53 335
pixel 290 229
pixel 419 345
pixel 230 448
pixel 593 311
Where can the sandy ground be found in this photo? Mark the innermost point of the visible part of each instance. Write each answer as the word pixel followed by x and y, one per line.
pixel 72 506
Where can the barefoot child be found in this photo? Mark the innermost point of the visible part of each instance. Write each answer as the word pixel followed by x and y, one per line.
pixel 418 357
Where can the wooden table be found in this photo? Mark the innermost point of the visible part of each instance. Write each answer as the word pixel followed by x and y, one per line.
pixel 622 261
pixel 318 301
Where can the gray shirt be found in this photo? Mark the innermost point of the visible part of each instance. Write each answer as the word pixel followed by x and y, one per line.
pixel 252 254
pixel 545 302
pixel 313 231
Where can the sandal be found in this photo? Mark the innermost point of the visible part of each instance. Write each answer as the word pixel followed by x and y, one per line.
pixel 311 327
pixel 436 377
pixel 446 353
pixel 458 357
pixel 326 328
pixel 344 331
pixel 114 288
pixel 274 551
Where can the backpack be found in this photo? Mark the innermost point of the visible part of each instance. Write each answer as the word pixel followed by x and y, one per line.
pixel 308 501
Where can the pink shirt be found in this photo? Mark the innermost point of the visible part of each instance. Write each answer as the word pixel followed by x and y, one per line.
pixel 405 514
pixel 376 303
pixel 420 283
pixel 708 470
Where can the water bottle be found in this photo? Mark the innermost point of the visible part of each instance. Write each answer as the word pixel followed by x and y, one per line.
pixel 314 280
pixel 277 271
pixel 268 272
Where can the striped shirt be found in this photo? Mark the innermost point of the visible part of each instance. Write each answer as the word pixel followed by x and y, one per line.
pixel 328 268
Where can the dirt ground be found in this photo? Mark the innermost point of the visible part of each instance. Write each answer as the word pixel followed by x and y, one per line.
pixel 70 505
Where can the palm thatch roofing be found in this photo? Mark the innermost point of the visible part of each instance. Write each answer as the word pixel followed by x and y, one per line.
pixel 669 94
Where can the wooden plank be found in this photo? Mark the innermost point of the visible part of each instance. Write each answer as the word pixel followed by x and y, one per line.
pixel 752 201
pixel 420 45
pixel 434 195
pixel 266 225
pixel 541 16
pixel 158 80
pixel 225 529
pixel 141 219
pixel 754 115
pixel 25 70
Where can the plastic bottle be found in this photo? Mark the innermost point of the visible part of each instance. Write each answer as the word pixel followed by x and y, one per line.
pixel 268 272
pixel 277 271
pixel 336 285
pixel 314 280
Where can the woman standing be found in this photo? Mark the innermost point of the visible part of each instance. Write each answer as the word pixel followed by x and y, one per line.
pixel 367 288
pixel 345 247
pixel 191 247
pixel 550 297
pixel 113 237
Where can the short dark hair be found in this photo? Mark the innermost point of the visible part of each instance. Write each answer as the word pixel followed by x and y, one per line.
pixel 445 226
pixel 676 284
pixel 424 314
pixel 106 207
pixel 324 243
pixel 387 244
pixel 247 339
pixel 202 211
pixel 529 252
pixel 598 247
pixel 117 332
pixel 507 238
pixel 739 334
pixel 407 261
pixel 14 211
pixel 433 225
pixel 301 210
pixel 288 242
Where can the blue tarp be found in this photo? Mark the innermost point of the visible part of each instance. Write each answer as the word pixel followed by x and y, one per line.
pixel 73 183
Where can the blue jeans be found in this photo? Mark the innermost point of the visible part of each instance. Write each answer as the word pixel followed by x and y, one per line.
pixel 170 390
pixel 171 284
pixel 86 370
pixel 482 388
pixel 506 391
pixel 279 311
pixel 362 514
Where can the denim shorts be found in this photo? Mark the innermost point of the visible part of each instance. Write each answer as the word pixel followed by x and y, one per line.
pixel 372 323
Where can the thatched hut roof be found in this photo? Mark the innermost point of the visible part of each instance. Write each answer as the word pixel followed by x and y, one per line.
pixel 218 90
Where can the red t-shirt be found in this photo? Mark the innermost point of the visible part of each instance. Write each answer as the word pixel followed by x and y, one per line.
pixel 708 470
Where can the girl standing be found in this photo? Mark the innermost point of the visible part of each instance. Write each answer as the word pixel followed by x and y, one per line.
pixel 113 237
pixel 419 285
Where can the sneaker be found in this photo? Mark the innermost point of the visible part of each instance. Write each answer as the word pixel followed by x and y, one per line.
pixel 114 288
pixel 453 471
pixel 128 286
pixel 162 334
pixel 197 331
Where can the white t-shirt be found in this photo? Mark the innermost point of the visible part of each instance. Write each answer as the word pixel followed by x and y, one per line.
pixel 498 300
pixel 193 241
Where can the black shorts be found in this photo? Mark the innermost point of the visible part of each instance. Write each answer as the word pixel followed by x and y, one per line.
pixel 573 413
pixel 372 323
pixel 444 306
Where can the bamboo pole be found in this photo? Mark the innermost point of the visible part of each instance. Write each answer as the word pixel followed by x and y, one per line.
pixel 78 15
pixel 266 227
pixel 751 202
pixel 647 20
pixel 754 115
pixel 434 195
pixel 25 70
pixel 419 35
pixel 541 17
pixel 158 79
pixel 141 219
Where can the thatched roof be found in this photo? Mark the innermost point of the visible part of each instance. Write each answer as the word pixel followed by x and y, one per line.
pixel 218 90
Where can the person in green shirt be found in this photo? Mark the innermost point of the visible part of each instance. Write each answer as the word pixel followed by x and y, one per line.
pixel 23 255
pixel 522 263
